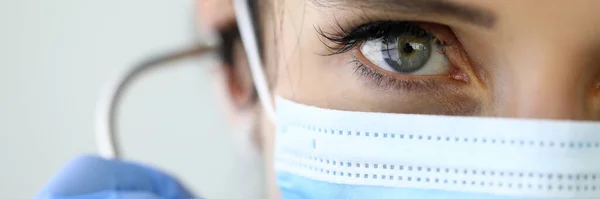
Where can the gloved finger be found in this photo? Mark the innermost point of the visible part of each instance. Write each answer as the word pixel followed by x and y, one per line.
pixel 92 174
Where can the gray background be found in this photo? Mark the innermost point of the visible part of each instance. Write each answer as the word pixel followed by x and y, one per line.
pixel 55 56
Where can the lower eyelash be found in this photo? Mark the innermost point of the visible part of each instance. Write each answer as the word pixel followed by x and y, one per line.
pixel 385 82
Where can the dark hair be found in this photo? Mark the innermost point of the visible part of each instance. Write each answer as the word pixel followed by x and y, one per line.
pixel 230 35
pixel 228 38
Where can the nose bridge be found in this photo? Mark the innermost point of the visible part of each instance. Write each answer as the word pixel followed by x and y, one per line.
pixel 544 82
pixel 547 65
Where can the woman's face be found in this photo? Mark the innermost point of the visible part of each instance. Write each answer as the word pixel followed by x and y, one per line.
pixel 510 58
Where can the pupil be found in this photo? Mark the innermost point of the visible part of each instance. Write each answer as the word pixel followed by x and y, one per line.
pixel 408 49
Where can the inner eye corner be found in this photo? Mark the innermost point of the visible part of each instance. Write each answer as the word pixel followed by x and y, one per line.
pixel 458 74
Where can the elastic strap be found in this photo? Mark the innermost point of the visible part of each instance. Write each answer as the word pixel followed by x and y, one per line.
pixel 244 21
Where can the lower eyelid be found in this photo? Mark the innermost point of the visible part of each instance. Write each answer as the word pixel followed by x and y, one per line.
pixel 381 81
pixel 384 82
pixel 439 96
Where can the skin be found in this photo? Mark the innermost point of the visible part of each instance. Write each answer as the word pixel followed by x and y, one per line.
pixel 537 61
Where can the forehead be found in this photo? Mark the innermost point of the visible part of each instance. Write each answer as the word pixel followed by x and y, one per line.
pixel 465 7
pixel 558 8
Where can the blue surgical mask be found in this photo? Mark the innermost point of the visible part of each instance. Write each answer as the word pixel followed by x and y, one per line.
pixel 322 153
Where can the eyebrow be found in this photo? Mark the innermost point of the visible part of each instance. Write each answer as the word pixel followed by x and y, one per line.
pixel 470 14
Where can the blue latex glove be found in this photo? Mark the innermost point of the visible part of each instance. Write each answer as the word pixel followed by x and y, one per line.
pixel 92 177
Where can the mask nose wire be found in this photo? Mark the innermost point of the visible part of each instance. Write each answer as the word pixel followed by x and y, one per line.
pixel 249 40
pixel 107 106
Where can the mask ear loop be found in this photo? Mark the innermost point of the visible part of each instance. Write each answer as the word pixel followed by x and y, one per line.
pixel 247 33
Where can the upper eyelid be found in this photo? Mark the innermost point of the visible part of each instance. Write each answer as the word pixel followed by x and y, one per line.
pixel 345 39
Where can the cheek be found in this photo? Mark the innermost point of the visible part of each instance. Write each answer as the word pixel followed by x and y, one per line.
pixel 527 76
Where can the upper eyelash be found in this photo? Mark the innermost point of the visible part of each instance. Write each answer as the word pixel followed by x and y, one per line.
pixel 344 40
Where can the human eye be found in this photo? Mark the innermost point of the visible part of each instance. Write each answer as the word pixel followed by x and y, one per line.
pixel 406 49
pixel 405 55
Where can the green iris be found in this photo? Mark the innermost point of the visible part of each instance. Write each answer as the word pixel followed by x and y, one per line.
pixel 406 53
